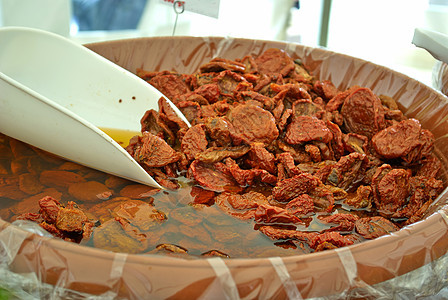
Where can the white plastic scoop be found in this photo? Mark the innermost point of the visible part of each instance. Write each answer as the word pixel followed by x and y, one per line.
pixel 53 90
pixel 434 42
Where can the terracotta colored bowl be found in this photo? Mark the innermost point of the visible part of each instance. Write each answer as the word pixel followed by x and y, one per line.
pixel 354 270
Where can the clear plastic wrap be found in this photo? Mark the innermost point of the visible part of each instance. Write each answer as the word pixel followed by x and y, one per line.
pixel 411 263
pixel 440 76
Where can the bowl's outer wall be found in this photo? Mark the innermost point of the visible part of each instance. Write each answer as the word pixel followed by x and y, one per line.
pixel 333 272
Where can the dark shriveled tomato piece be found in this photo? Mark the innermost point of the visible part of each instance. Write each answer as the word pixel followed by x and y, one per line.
pixel 215 253
pixel 278 233
pixel 348 171
pixel 248 177
pixel 220 130
pixel 152 123
pixel 253 124
pixel 194 141
pixel 290 188
pixel 202 196
pixel 152 151
pixel 326 89
pixel 345 222
pixel 390 189
pixel 216 154
pixel 71 219
pixel 208 176
pixel 49 209
pixel 274 61
pixel 307 128
pixel 373 227
pixel 241 206
pixel 334 238
pixel 268 214
pixel 171 85
pixel 220 64
pixel 405 140
pixel 363 113
pixel 362 198
pixel 260 158
pixel 300 206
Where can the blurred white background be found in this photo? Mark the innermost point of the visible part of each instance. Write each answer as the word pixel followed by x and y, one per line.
pixel 380 31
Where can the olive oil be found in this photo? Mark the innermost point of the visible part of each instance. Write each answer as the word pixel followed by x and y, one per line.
pixel 121 136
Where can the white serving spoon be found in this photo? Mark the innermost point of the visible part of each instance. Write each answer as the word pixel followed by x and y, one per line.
pixel 434 42
pixel 53 90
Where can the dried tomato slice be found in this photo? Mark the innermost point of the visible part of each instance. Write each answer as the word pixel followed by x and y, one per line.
pixel 363 113
pixel 208 176
pixel 307 128
pixel 404 140
pixel 253 124
pixel 194 141
pixel 152 151
pixel 274 60
pixel 373 227
pixel 289 189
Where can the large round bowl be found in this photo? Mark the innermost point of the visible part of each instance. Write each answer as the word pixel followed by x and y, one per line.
pixel 411 261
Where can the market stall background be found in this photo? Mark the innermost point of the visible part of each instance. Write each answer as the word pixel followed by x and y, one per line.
pixel 378 31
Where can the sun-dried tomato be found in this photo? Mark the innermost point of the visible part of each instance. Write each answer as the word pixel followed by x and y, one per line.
pixel 194 141
pixel 211 178
pixel 215 253
pixel 253 124
pixel 71 219
pixel 325 89
pixel 209 91
pixel 363 113
pixel 362 198
pixel 348 171
pixel 390 189
pixel 286 160
pixel 373 227
pixel 260 158
pixel 171 85
pixel 89 191
pixel 429 167
pixel 49 209
pixel 291 188
pixel 300 206
pixel 240 206
pixel 219 64
pixel 113 237
pixel 169 116
pixel 217 154
pixel 152 151
pixel 249 177
pixel 405 140
pixel 278 233
pixel 152 123
pixel 345 222
pixel 191 110
pixel 274 61
pixel 268 214
pixel 334 238
pixel 202 196
pixel 306 128
pixel 140 214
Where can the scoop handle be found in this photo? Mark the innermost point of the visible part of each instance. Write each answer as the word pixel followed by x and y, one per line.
pixel 434 42
pixel 28 117
pixel 53 90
